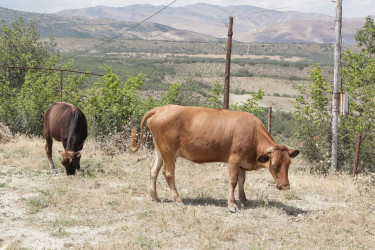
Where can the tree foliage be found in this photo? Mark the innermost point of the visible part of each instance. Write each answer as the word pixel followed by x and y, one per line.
pixel 251 105
pixel 358 75
pixel 312 109
pixel 216 93
pixel 312 116
pixel 19 46
pixel 365 36
pixel 41 89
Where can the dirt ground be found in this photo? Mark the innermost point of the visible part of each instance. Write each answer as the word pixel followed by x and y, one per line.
pixel 107 205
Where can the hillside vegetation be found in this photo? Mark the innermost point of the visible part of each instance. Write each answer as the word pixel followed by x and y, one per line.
pixel 277 68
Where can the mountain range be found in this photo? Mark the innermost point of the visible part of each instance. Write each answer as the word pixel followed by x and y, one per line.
pixel 251 24
pixel 81 27
pixel 197 22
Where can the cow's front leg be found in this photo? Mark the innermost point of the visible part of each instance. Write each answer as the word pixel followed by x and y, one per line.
pixel 241 182
pixel 48 149
pixel 233 178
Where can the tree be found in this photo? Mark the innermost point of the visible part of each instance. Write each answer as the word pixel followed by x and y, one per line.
pixel 366 36
pixel 313 116
pixel 358 74
pixel 313 120
pixel 39 91
pixel 19 46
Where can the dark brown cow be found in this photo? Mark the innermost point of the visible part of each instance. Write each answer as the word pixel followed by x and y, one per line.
pixel 66 123
pixel 213 135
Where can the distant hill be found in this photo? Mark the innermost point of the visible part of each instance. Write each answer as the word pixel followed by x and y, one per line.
pixel 251 24
pixel 81 27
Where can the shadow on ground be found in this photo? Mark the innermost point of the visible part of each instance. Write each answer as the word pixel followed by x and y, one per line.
pixel 250 204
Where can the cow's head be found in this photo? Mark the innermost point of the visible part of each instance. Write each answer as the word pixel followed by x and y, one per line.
pixel 70 161
pixel 277 160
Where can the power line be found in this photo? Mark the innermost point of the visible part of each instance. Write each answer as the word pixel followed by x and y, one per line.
pixel 52 69
pixel 127 30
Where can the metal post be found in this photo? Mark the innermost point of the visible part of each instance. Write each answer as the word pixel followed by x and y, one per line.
pixel 336 83
pixel 227 65
pixel 269 119
pixel 356 158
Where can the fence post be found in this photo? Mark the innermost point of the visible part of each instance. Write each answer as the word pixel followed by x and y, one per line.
pixel 227 65
pixel 269 119
pixel 356 157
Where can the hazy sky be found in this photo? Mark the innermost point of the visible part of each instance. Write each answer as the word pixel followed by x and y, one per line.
pixel 351 8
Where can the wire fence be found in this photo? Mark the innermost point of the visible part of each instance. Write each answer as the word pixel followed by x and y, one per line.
pixel 53 69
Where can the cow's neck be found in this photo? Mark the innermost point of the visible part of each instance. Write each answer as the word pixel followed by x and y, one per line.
pixel 265 141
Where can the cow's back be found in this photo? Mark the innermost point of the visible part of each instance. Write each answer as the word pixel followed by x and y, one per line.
pixel 67 123
pixel 201 134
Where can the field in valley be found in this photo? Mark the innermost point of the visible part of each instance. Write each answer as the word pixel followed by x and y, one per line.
pixel 107 205
pixel 277 68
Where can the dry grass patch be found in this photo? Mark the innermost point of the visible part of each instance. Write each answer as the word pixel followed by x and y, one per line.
pixel 5 134
pixel 107 205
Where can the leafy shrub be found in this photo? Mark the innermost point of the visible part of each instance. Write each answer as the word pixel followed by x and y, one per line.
pixel 251 104
pixel 40 90
pixel 243 73
pixel 110 104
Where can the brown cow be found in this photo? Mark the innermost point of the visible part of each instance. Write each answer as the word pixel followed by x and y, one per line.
pixel 213 135
pixel 66 123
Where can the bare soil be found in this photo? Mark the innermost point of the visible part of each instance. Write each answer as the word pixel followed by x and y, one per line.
pixel 107 205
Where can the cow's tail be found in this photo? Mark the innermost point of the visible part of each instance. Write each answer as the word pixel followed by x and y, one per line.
pixel 134 131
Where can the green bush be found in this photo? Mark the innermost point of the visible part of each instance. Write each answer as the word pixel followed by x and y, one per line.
pixel 39 91
pixel 109 103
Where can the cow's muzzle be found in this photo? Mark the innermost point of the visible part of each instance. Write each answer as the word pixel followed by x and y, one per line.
pixel 283 187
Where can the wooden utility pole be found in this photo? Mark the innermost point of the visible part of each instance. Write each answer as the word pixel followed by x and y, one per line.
pixel 336 76
pixel 227 64
pixel 269 119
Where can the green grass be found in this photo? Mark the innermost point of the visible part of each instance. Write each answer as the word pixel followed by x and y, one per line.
pixel 37 204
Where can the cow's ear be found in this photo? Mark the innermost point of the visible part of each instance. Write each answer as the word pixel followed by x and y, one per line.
pixel 293 153
pixel 263 158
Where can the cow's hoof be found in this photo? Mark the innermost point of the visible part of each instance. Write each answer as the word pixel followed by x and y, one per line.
pixel 155 199
pixel 233 209
pixel 243 200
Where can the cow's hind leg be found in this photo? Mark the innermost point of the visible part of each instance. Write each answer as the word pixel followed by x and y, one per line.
pixel 48 149
pixel 155 166
pixel 241 182
pixel 233 178
pixel 168 171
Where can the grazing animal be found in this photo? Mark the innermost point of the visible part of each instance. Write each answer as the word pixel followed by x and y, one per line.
pixel 66 123
pixel 213 135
